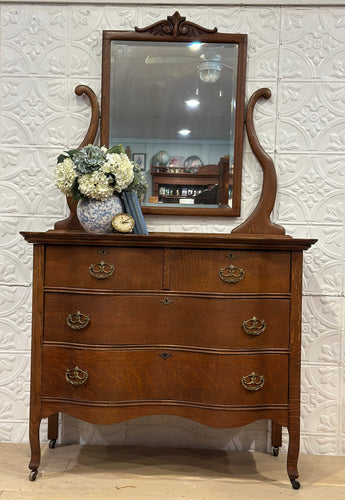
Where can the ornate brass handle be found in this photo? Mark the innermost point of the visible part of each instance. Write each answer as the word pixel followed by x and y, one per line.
pixel 76 376
pixel 101 270
pixel 231 274
pixel 254 326
pixel 253 382
pixel 77 321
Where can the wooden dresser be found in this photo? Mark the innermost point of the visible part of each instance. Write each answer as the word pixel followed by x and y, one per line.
pixel 203 326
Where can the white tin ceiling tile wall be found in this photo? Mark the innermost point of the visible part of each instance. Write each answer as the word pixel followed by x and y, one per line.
pixel 166 430
pixel 313 42
pixel 15 374
pixel 322 274
pixel 321 330
pixel 310 116
pixel 342 351
pixel 32 38
pixel 320 386
pixel 320 444
pixel 49 49
pixel 15 319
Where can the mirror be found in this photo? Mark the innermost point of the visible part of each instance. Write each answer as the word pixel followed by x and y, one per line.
pixel 173 95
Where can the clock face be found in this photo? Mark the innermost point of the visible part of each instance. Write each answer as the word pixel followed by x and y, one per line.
pixel 123 223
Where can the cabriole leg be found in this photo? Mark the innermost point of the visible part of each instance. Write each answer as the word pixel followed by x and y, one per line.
pixel 292 458
pixel 35 448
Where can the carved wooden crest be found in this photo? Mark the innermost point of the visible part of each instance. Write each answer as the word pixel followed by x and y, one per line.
pixel 175 26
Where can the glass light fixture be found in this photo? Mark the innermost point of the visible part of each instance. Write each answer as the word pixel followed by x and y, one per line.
pixel 209 70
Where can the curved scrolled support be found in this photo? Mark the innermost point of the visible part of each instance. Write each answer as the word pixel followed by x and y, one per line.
pixel 72 222
pixel 259 221
pixel 95 115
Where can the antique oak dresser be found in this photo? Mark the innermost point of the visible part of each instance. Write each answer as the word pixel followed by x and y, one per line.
pixel 206 327
pixel 202 326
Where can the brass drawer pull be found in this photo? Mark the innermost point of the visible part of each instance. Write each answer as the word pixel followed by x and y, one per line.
pixel 231 274
pixel 101 270
pixel 253 382
pixel 76 376
pixel 254 326
pixel 166 301
pixel 77 321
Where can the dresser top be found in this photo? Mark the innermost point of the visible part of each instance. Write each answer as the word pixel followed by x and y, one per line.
pixel 171 240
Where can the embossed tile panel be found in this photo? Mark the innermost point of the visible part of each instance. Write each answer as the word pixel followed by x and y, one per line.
pixel 46 50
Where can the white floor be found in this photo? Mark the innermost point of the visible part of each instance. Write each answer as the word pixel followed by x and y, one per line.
pixel 101 472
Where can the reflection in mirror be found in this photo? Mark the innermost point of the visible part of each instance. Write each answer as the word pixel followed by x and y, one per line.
pixel 173 95
pixel 173 108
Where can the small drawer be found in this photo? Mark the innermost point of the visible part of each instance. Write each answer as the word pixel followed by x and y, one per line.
pixel 160 376
pixel 136 319
pixel 104 268
pixel 230 271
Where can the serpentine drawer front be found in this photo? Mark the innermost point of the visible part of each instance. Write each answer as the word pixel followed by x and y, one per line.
pixel 230 271
pixel 103 268
pixel 185 320
pixel 148 375
pixel 205 327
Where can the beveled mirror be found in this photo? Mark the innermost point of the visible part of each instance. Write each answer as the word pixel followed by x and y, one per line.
pixel 173 95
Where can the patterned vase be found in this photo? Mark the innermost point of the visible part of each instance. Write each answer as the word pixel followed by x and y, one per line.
pixel 95 216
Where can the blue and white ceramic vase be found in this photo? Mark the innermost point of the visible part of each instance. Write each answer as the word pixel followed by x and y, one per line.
pixel 95 216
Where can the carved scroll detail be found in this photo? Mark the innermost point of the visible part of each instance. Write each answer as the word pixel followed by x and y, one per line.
pixel 175 26
pixel 259 221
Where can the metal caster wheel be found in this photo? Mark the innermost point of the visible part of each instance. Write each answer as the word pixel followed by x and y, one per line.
pixel 275 451
pixel 33 475
pixel 52 443
pixel 295 484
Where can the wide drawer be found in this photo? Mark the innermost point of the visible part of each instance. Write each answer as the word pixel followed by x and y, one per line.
pixel 156 375
pixel 166 319
pixel 104 268
pixel 230 272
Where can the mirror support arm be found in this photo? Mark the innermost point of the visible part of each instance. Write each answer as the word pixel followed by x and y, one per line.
pixel 72 222
pixel 259 221
pixel 95 114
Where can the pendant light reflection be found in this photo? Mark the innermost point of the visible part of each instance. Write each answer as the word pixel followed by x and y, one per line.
pixel 195 45
pixel 184 132
pixel 192 103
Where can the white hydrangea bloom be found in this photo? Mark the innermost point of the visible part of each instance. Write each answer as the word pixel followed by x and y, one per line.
pixel 120 166
pixel 65 175
pixel 95 185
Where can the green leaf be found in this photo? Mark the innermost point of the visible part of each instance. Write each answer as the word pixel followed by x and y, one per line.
pixel 72 152
pixel 117 149
pixel 61 158
pixel 67 154
pixel 75 193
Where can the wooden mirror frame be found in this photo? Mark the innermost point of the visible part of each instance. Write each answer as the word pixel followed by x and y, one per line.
pixel 176 29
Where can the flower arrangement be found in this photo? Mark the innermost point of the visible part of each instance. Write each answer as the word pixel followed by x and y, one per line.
pixel 97 173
